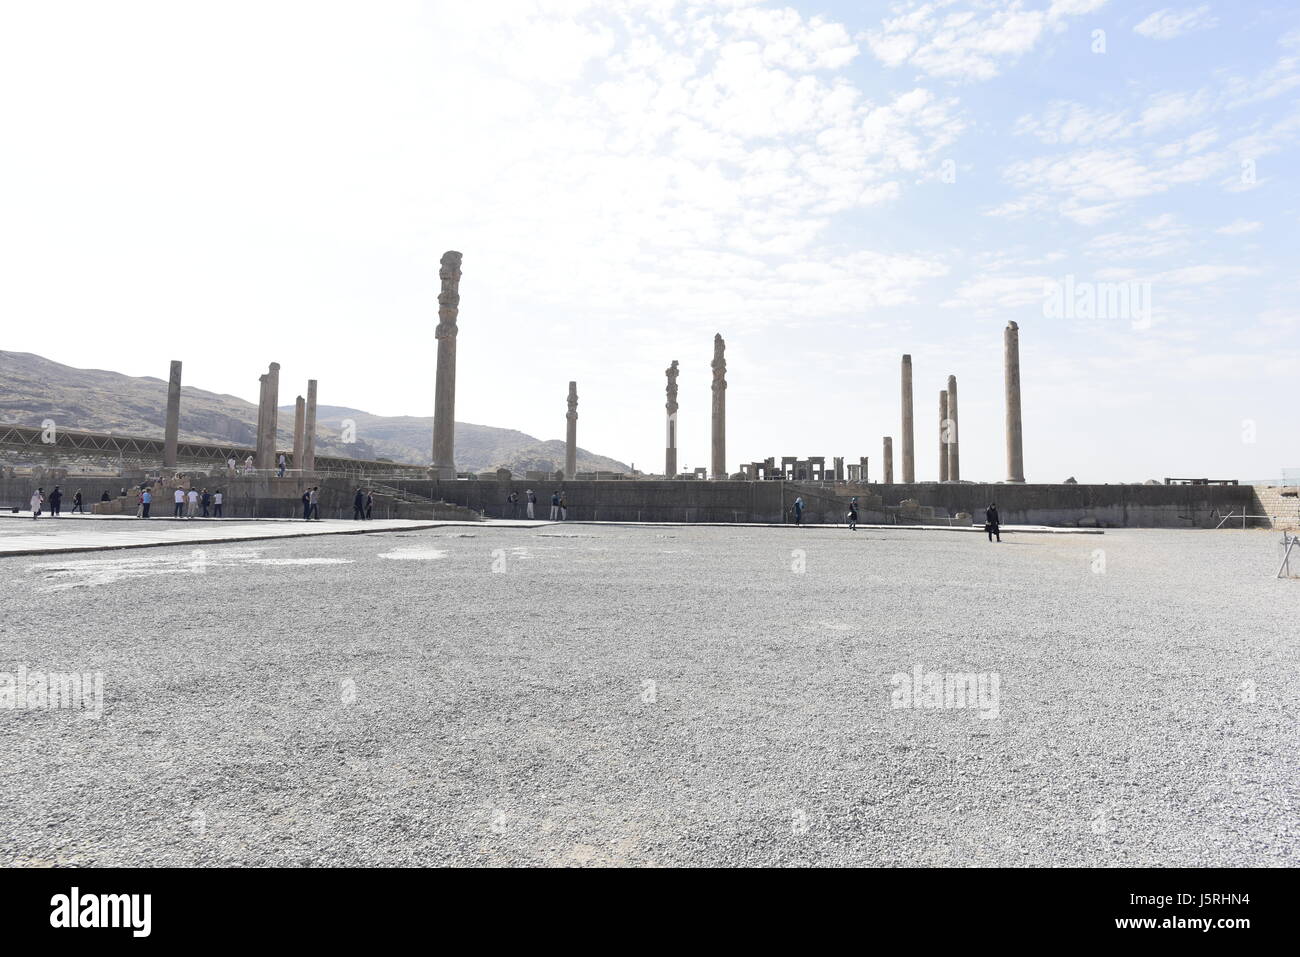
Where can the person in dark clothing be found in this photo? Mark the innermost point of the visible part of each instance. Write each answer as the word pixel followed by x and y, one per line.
pixel 853 514
pixel 798 511
pixel 370 502
pixel 358 506
pixel 205 499
pixel 306 505
pixel 56 497
pixel 106 497
pixel 992 524
pixel 76 503
pixel 513 501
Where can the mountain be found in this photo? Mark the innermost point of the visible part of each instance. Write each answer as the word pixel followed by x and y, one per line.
pixel 33 388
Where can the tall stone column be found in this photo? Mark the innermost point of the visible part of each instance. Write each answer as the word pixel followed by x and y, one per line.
pixel 268 418
pixel 670 447
pixel 943 435
pixel 719 366
pixel 909 456
pixel 299 429
pixel 309 430
pixel 1015 434
pixel 444 395
pixel 173 416
pixel 954 433
pixel 889 461
pixel 571 435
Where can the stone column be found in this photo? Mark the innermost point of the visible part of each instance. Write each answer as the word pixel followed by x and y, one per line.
pixel 889 461
pixel 719 366
pixel 309 430
pixel 173 416
pixel 670 447
pixel 943 435
pixel 299 428
pixel 444 396
pixel 909 457
pixel 571 435
pixel 268 418
pixel 954 433
pixel 1015 435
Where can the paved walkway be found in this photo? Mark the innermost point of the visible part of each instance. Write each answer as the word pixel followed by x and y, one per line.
pixel 92 533
pixel 103 532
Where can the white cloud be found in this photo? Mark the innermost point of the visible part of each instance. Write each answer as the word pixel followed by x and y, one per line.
pixel 1239 227
pixel 968 45
pixel 1168 23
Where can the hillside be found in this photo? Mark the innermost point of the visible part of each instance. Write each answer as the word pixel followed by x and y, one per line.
pixel 33 388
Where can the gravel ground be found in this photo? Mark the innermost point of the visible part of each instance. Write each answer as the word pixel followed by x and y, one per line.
pixel 668 696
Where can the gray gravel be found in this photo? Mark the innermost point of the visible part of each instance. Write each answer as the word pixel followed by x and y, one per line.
pixel 347 708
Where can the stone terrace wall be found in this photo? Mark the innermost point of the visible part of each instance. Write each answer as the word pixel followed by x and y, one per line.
pixel 1137 506
pixel 1115 506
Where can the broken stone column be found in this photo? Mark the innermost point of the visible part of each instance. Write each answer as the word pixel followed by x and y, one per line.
pixel 1015 435
pixel 571 435
pixel 309 431
pixel 444 396
pixel 719 366
pixel 862 468
pixel 909 458
pixel 173 416
pixel 670 446
pixel 943 435
pixel 299 429
pixel 954 457
pixel 889 461
pixel 268 417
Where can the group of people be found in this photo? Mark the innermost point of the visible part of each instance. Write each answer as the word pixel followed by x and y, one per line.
pixel 559 507
pixel 187 503
pixel 55 502
pixel 362 503
pixel 311 504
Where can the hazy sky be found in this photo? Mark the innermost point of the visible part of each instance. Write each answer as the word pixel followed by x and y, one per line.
pixel 829 185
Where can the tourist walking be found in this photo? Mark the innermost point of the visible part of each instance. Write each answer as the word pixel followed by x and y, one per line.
pixel 206 501
pixel 281 463
pixel 217 500
pixel 798 510
pixel 555 505
pixel 76 504
pixel 313 502
pixel 146 499
pixel 178 498
pixel 513 501
pixel 992 523
pixel 564 508
pixel 56 499
pixel 306 505
pixel 853 514
pixel 530 498
pixel 370 502
pixel 38 498
pixel 193 503
pixel 358 506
